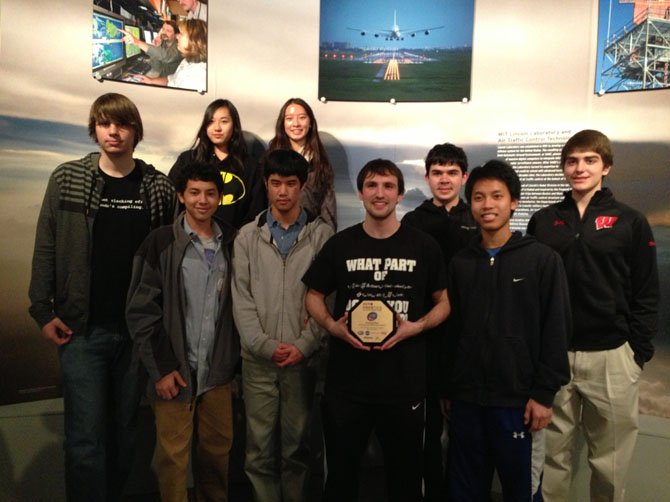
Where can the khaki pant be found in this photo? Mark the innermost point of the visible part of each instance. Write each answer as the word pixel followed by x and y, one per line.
pixel 278 404
pixel 602 397
pixel 211 416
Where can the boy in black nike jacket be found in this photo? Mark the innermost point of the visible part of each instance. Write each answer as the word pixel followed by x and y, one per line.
pixel 609 254
pixel 511 315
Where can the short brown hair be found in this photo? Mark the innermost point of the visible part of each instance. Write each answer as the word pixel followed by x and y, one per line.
pixel 117 108
pixel 172 24
pixel 196 31
pixel 589 140
pixel 382 167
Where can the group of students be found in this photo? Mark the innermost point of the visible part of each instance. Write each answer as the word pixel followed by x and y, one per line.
pixel 519 341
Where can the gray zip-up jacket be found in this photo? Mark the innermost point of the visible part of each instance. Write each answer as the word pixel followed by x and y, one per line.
pixel 155 312
pixel 268 292
pixel 61 272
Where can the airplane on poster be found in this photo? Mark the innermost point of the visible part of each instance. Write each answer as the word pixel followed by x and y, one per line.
pixel 395 33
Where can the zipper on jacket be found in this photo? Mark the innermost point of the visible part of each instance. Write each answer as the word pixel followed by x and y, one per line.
pixel 291 250
pixel 182 314
pixel 491 292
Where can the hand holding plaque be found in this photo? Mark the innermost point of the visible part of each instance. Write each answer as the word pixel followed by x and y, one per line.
pixel 372 322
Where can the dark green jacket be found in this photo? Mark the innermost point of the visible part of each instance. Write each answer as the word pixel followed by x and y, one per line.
pixel 155 312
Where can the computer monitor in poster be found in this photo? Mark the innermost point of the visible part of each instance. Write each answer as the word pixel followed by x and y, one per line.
pixel 131 49
pixel 107 40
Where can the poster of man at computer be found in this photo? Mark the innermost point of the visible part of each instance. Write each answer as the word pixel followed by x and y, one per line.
pixel 151 42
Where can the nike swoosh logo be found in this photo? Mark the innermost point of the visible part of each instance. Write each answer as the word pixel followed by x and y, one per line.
pixel 415 406
pixel 514 279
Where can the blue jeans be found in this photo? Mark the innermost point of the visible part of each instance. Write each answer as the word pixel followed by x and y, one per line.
pixel 101 397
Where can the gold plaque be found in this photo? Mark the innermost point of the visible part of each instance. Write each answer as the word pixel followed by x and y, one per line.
pixel 372 322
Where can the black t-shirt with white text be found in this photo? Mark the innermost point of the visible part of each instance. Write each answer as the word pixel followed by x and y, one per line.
pixel 121 224
pixel 403 269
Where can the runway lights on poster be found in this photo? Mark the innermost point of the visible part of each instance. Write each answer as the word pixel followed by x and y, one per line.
pixel 394 101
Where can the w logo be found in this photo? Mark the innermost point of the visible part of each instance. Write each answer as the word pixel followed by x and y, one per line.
pixel 518 435
pixel 605 222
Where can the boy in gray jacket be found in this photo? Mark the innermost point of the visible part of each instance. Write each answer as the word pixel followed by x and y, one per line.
pixel 271 254
pixel 180 317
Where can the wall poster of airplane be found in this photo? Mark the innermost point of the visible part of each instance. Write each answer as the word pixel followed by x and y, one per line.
pixel 395 50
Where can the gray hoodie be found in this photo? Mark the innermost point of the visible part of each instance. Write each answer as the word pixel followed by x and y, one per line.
pixel 268 292
pixel 61 272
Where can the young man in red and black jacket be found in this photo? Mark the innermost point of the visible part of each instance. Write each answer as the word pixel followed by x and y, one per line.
pixel 609 254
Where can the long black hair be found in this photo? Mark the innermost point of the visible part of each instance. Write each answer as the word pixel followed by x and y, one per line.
pixel 237 148
pixel 314 150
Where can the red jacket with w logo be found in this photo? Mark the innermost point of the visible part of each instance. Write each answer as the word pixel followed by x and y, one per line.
pixel 610 260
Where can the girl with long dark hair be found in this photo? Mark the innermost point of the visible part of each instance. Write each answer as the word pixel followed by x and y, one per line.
pixel 296 129
pixel 220 142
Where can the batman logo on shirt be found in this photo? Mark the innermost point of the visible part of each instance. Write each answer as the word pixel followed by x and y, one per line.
pixel 233 189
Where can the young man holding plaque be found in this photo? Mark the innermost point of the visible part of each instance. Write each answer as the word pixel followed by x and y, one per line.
pixel 278 337
pixel 610 255
pixel 511 321
pixel 376 378
pixel 448 219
